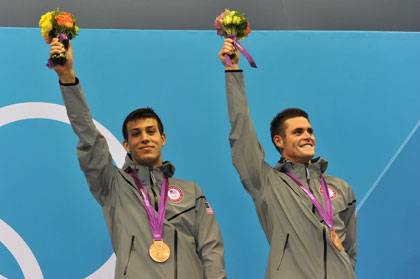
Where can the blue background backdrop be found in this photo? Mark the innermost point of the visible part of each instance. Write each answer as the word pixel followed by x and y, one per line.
pixel 360 88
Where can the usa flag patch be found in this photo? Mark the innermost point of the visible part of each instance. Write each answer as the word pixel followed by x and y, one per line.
pixel 175 194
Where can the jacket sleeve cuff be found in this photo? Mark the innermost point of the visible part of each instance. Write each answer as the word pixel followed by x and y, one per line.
pixel 69 84
pixel 234 71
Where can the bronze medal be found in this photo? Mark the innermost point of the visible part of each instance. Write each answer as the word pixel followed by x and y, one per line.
pixel 159 251
pixel 336 241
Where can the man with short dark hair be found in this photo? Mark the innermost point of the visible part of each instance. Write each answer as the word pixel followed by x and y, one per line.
pixel 161 227
pixel 309 217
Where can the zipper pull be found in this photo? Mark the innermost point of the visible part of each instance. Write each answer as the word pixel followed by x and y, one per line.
pixel 153 180
pixel 152 177
pixel 308 176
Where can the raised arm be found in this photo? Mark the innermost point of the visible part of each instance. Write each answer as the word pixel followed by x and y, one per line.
pixel 247 153
pixel 92 150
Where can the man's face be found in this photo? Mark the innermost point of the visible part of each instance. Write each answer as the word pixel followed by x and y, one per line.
pixel 145 141
pixel 298 142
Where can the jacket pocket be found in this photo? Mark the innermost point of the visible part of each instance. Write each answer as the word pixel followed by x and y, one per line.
pixel 130 251
pixel 286 242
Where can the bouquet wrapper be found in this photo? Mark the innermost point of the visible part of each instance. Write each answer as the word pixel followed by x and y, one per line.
pixel 59 59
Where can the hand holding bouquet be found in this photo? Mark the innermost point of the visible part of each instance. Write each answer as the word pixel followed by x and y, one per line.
pixel 234 25
pixel 61 25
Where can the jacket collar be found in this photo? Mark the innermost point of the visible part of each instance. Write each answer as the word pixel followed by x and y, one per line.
pixel 149 175
pixel 315 167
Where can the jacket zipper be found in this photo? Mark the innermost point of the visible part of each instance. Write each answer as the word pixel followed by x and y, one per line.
pixel 129 255
pixel 324 236
pixel 284 251
pixel 308 179
pixel 153 183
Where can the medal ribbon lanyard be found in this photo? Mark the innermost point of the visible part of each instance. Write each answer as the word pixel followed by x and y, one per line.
pixel 326 214
pixel 156 224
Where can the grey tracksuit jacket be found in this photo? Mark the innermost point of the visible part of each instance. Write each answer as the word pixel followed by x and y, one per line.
pixel 300 246
pixel 190 228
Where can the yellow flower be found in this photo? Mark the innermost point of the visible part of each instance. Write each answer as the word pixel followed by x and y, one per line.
pixel 45 24
pixel 236 20
pixel 227 20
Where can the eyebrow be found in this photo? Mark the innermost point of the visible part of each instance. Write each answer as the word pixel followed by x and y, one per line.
pixel 145 128
pixel 302 129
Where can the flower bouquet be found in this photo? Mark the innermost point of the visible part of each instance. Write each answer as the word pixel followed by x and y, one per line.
pixel 234 25
pixel 61 25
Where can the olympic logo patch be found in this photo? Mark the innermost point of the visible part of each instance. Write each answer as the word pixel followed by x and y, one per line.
pixel 175 194
pixel 331 192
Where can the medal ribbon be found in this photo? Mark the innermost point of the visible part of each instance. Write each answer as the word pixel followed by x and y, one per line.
pixel 243 50
pixel 326 215
pixel 156 224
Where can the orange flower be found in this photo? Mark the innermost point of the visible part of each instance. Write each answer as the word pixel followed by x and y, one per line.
pixel 65 19
pixel 248 30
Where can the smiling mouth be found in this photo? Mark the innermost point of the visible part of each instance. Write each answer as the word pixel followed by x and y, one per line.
pixel 146 147
pixel 307 145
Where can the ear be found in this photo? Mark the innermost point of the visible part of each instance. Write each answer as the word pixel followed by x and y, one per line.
pixel 126 146
pixel 163 139
pixel 278 141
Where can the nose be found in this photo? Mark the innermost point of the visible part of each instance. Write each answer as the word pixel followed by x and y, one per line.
pixel 308 135
pixel 144 137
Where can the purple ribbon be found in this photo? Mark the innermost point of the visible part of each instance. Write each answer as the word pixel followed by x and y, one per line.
pixel 326 215
pixel 62 37
pixel 243 50
pixel 156 224
pixel 50 63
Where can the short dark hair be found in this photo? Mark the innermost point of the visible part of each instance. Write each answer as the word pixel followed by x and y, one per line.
pixel 141 113
pixel 277 124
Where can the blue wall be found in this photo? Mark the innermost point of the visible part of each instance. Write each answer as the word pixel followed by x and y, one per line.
pixel 361 89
